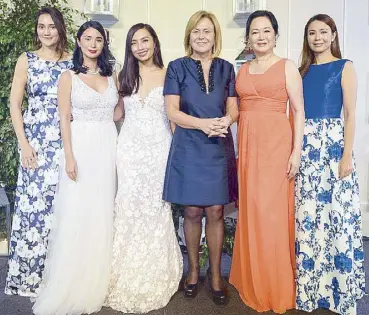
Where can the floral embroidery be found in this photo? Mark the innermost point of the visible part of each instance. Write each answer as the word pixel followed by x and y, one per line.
pixel 329 248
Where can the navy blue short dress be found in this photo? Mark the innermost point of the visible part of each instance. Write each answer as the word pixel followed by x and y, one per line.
pixel 201 171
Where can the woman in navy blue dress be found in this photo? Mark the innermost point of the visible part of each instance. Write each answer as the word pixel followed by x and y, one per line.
pixel 201 172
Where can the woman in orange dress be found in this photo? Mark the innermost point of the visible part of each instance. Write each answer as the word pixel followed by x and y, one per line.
pixel 269 155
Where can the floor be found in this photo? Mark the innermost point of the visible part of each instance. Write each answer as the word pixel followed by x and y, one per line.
pixel 11 305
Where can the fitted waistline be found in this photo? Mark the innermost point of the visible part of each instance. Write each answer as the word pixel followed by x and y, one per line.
pixel 263 105
pixel 323 117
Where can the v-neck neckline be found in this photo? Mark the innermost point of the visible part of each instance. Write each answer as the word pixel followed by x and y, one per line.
pixel 91 88
pixel 143 100
pixel 266 71
pixel 207 89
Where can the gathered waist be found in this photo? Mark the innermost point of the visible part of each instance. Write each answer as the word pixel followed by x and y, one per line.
pixel 263 105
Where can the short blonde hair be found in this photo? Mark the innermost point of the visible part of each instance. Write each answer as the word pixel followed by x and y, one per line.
pixel 191 24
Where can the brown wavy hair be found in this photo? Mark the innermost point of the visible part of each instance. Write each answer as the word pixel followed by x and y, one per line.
pixel 58 20
pixel 307 56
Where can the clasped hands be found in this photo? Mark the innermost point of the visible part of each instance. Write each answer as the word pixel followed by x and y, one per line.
pixel 215 127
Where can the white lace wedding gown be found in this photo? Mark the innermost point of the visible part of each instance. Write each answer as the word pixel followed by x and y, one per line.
pixel 77 267
pixel 147 263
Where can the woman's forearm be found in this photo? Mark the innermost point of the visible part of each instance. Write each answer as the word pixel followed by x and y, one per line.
pixel 233 113
pixel 66 135
pixel 349 134
pixel 17 121
pixel 299 125
pixel 183 120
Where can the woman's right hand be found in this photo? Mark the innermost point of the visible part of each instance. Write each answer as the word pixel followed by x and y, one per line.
pixel 28 156
pixel 71 167
pixel 212 127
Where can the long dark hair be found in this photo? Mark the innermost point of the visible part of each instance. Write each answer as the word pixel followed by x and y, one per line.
pixel 106 68
pixel 261 13
pixel 307 56
pixel 58 20
pixel 129 77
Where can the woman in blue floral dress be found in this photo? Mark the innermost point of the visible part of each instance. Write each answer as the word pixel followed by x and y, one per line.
pixel 39 140
pixel 329 248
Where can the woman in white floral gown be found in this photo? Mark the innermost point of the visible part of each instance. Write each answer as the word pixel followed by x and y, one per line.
pixel 147 263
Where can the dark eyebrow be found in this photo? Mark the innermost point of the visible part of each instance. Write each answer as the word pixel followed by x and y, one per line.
pixel 91 36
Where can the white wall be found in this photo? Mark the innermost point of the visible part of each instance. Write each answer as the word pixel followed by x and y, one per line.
pixel 169 19
pixel 357 49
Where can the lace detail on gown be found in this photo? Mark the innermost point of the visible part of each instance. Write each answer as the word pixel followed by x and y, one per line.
pixel 77 267
pixel 90 105
pixel 147 262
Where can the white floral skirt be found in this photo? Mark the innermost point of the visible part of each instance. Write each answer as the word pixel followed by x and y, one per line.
pixel 77 265
pixel 329 248
pixel 146 262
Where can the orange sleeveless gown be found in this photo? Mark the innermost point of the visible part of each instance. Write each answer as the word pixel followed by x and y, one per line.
pixel 263 256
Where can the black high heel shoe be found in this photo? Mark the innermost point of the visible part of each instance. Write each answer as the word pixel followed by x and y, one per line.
pixel 220 297
pixel 190 290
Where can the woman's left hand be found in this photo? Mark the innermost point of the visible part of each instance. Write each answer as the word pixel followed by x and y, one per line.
pixel 293 164
pixel 225 121
pixel 345 167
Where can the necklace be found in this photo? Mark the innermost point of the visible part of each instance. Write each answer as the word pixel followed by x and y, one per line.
pixel 256 60
pixel 93 72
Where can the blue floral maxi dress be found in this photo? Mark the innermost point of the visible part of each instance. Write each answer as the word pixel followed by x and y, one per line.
pixel 329 246
pixel 36 188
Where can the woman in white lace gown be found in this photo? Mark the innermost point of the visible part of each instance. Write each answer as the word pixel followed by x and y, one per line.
pixel 77 266
pixel 147 263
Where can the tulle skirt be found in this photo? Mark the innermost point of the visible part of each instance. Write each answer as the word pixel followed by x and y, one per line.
pixel 77 265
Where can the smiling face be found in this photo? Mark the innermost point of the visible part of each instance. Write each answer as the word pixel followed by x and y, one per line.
pixel 91 43
pixel 202 37
pixel 320 37
pixel 142 45
pixel 262 36
pixel 47 31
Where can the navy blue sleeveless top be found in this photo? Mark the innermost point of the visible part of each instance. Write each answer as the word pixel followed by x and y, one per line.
pixel 322 90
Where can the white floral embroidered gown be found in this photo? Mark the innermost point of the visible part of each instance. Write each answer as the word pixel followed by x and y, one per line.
pixel 147 263
pixel 77 266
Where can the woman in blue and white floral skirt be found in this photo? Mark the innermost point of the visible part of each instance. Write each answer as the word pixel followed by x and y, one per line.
pixel 329 248
pixel 40 143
